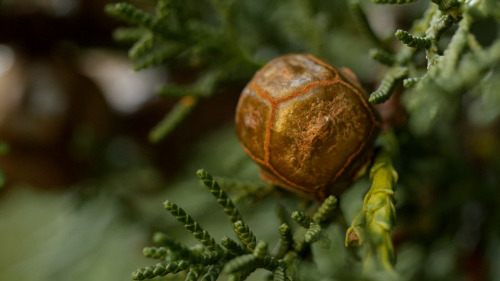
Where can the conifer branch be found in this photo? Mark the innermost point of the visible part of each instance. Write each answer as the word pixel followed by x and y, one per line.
pixel 371 228
pixel 128 34
pixel 246 236
pixel 456 71
pixel 248 263
pixel 302 219
pixel 265 260
pixel 260 250
pixel 387 85
pixel 134 16
pixel 227 205
pixel 410 82
pixel 157 55
pixel 162 9
pixel 240 275
pixel 193 274
pixel 130 14
pixel 160 269
pixel 143 45
pixel 243 263
pixel 206 258
pixel 279 274
pixel 413 41
pixel 438 25
pixel 325 210
pixel 445 5
pixel 245 189
pixel 382 56
pixel 213 272
pixel 202 88
pixel 286 240
pixel 192 226
pixel 173 118
pixel 155 253
pixel 314 233
pixel 232 247
pixel 174 246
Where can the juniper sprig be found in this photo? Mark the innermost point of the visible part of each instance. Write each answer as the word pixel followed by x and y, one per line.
pixel 246 236
pixel 220 195
pixel 192 226
pixel 388 84
pixel 372 227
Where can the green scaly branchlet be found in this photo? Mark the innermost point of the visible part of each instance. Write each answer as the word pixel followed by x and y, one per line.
pixel 232 246
pixel 446 4
pixel 193 274
pixel 160 269
pixel 173 118
pixel 237 260
pixel 371 228
pixel 213 272
pixel 325 210
pixel 192 226
pixel 280 274
pixel 246 236
pixel 313 234
pixel 450 72
pixel 177 34
pixel 302 219
pixel 286 240
pixel 259 259
pixel 227 205
pixel 169 243
pixel 388 84
pixel 413 41
pixel 383 57
pixel 248 190
pixel 155 253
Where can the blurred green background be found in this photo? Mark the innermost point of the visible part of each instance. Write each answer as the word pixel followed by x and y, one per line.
pixel 84 186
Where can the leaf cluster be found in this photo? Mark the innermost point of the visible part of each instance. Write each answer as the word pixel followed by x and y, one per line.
pixel 451 71
pixel 238 259
pixel 179 33
pixel 457 64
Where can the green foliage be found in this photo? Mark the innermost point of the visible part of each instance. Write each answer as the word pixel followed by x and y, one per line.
pixel 177 33
pixel 325 210
pixel 382 56
pixel 246 236
pixel 413 41
pixel 450 72
pixel 221 196
pixel 446 4
pixel 388 84
pixel 302 219
pixel 457 66
pixel 238 260
pixel 192 226
pixel 173 118
pixel 222 42
pixel 373 225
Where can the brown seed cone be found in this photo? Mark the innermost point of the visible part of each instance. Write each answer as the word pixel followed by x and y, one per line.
pixel 308 127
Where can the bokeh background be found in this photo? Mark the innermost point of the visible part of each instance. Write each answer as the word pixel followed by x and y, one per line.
pixel 84 185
